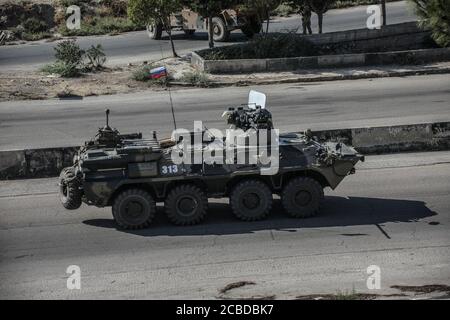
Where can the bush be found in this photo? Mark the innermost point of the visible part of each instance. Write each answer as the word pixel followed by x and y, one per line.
pixel 66 70
pixel 34 25
pixel 69 52
pixel 196 78
pixel 96 58
pixel 265 47
pixel 101 25
pixel 435 15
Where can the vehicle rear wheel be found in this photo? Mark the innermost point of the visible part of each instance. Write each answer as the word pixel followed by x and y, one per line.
pixel 134 209
pixel 154 31
pixel 220 30
pixel 69 189
pixel 302 197
pixel 251 200
pixel 186 205
pixel 252 27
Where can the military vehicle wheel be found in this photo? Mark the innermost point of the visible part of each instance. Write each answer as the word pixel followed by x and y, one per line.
pixel 69 189
pixel 220 30
pixel 302 197
pixel 186 205
pixel 154 31
pixel 252 27
pixel 251 200
pixel 134 209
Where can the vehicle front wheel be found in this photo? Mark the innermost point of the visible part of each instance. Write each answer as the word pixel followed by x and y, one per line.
pixel 134 209
pixel 302 197
pixel 154 31
pixel 69 189
pixel 251 200
pixel 186 205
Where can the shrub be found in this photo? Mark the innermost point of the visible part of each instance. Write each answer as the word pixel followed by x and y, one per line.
pixel 69 52
pixel 96 58
pixel 143 74
pixel 278 45
pixel 34 25
pixel 435 14
pixel 196 78
pixel 66 70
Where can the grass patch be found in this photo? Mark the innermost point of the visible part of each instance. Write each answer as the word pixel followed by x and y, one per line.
pixel 101 25
pixel 66 70
pixel 196 78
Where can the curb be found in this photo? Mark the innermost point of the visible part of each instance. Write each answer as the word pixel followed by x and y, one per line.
pixel 388 74
pixel 48 162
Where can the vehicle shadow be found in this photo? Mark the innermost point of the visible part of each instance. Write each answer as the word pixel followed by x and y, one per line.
pixel 337 211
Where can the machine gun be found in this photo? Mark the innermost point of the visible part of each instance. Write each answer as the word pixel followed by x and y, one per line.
pixel 108 137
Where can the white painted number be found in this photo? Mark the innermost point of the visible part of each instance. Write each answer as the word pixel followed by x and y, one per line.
pixel 169 169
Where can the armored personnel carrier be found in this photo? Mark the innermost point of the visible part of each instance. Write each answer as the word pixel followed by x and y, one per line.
pixel 131 174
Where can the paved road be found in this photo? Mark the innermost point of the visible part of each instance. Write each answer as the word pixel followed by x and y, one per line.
pixel 338 104
pixel 394 213
pixel 136 46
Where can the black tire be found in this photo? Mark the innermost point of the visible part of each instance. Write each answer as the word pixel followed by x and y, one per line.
pixel 220 30
pixel 186 205
pixel 189 32
pixel 155 31
pixel 251 200
pixel 302 197
pixel 69 189
pixel 134 209
pixel 252 27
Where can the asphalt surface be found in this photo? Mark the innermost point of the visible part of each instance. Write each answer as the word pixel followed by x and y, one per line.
pixel 137 46
pixel 393 213
pixel 295 107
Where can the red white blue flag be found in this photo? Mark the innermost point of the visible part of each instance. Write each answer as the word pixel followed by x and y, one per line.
pixel 158 73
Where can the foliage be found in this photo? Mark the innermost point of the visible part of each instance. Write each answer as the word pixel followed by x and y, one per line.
pixel 34 25
pixel 143 74
pixel 66 70
pixel 279 45
pixel 154 12
pixel 435 14
pixel 95 57
pixel 101 25
pixel 196 78
pixel 69 52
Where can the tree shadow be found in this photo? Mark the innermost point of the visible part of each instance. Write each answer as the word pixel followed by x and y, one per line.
pixel 235 37
pixel 337 211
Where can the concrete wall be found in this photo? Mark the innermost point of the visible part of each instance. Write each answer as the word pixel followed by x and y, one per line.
pixel 49 162
pixel 409 57
pixel 393 44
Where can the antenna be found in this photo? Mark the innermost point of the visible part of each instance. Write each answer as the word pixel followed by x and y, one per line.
pixel 107 117
pixel 168 88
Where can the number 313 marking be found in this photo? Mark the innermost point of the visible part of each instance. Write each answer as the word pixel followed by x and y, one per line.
pixel 169 169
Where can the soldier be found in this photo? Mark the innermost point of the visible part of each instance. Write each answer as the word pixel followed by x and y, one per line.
pixel 305 11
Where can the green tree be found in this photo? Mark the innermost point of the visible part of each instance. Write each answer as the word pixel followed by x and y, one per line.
pixel 435 15
pixel 209 9
pixel 156 12
pixel 320 7
pixel 264 8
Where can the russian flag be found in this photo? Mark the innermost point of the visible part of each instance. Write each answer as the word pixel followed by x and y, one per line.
pixel 158 73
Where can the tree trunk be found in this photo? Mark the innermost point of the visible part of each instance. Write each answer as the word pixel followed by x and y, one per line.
pixel 320 20
pixel 210 32
pixel 268 20
pixel 169 32
pixel 383 10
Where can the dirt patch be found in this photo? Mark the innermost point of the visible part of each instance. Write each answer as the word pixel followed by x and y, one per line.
pixel 235 285
pixel 36 85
